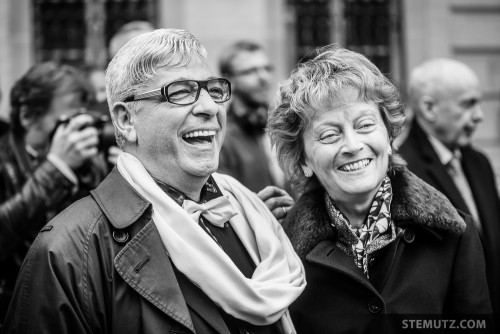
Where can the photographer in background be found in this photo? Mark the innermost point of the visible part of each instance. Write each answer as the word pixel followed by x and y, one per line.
pixel 49 158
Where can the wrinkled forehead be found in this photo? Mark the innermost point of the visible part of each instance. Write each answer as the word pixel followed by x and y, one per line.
pixel 195 69
pixel 335 99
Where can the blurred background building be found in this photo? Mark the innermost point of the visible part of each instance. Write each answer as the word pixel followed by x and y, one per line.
pixel 395 34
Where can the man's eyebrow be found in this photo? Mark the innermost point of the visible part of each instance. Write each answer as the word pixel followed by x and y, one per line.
pixel 186 78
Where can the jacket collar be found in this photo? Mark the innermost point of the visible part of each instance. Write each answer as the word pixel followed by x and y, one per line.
pixel 414 201
pixel 122 210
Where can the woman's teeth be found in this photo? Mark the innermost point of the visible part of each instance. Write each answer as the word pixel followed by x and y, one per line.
pixel 355 165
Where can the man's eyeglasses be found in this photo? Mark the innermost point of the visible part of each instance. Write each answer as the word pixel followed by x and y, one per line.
pixel 184 92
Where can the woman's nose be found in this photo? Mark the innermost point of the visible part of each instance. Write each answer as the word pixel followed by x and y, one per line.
pixel 351 142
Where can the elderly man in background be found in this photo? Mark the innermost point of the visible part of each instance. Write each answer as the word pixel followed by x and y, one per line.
pixel 164 244
pixel 445 96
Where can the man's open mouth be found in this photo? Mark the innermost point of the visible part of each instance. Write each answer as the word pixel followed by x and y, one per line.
pixel 199 137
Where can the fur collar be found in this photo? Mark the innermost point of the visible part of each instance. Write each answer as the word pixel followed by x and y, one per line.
pixel 413 200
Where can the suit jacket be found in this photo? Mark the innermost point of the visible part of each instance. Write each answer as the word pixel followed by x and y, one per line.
pixel 243 158
pixel 434 266
pixel 424 162
pixel 101 267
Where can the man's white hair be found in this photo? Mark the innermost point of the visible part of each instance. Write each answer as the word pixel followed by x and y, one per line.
pixel 434 77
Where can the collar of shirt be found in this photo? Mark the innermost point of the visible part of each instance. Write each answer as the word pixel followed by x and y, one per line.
pixel 209 191
pixel 444 154
pixel 31 152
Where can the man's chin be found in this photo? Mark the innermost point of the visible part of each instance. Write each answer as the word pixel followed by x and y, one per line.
pixel 204 170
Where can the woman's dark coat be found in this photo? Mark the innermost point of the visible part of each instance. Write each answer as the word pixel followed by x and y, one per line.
pixel 435 265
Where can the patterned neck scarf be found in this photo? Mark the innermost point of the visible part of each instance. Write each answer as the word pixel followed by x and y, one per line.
pixel 377 231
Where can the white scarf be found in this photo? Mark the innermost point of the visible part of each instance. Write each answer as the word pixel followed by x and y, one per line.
pixel 279 275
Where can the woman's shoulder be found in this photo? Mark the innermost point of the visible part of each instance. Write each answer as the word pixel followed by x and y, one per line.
pixel 307 223
pixel 417 201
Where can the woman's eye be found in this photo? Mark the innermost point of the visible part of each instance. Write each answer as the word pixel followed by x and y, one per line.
pixel 366 125
pixel 329 136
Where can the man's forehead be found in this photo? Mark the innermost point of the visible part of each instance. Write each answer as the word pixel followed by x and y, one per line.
pixel 250 58
pixel 192 71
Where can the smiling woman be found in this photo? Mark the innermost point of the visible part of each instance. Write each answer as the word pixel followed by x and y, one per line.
pixel 372 236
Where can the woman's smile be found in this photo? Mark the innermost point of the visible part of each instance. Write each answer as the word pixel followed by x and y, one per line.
pixel 355 166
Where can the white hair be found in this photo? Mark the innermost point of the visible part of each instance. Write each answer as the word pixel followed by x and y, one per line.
pixel 435 76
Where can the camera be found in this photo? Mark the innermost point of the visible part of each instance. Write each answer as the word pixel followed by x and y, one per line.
pixel 102 123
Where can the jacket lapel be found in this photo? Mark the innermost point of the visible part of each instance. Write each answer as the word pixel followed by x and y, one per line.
pixel 200 303
pixel 143 262
pixel 144 265
pixel 327 254
pixel 477 177
pixel 436 171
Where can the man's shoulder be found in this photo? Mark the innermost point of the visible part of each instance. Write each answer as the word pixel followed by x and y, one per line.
pixel 472 153
pixel 71 229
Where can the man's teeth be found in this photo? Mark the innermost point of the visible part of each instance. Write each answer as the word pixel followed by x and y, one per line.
pixel 355 165
pixel 195 134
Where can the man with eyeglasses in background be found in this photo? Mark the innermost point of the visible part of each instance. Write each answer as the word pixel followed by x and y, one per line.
pixel 246 154
pixel 163 244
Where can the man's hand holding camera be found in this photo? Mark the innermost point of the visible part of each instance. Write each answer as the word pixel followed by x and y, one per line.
pixel 76 141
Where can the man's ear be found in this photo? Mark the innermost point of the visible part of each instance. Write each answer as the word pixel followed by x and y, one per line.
pixel 428 108
pixel 124 119
pixel 25 118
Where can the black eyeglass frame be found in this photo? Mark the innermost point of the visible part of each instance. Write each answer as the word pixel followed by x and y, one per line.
pixel 162 91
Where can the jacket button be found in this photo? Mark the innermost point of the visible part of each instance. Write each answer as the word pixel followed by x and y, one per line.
pixel 120 236
pixel 374 306
pixel 409 236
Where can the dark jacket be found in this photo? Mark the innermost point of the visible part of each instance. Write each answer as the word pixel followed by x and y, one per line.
pixel 424 162
pixel 101 267
pixel 434 266
pixel 31 193
pixel 243 157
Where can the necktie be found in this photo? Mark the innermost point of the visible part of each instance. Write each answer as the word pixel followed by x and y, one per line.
pixel 458 176
pixel 217 211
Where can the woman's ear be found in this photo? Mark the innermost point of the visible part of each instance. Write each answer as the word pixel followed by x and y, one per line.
pixel 307 170
pixel 124 119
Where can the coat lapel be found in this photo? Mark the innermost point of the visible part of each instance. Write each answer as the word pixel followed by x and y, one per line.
pixel 327 254
pixel 143 262
pixel 200 303
pixel 436 172
pixel 144 265
pixel 477 177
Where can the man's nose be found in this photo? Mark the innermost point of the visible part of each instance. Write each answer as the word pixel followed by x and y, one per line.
pixel 206 104
pixel 477 114
pixel 264 73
